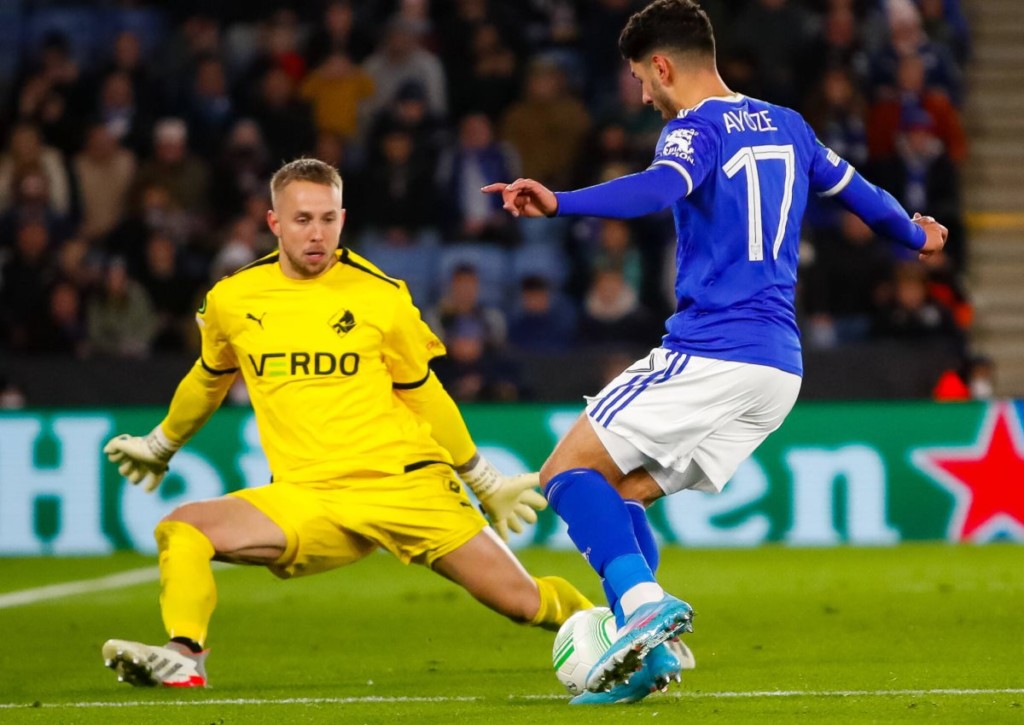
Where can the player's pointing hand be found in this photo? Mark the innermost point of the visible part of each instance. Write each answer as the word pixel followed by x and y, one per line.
pixel 525 197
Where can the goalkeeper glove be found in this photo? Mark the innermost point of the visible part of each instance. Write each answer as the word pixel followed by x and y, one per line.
pixel 143 459
pixel 509 501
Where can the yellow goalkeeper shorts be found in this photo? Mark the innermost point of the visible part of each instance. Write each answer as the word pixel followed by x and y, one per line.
pixel 418 516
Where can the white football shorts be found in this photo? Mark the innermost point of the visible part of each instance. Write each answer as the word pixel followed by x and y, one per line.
pixel 690 421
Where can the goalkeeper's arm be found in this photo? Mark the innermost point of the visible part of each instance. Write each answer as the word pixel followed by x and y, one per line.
pixel 510 501
pixel 143 459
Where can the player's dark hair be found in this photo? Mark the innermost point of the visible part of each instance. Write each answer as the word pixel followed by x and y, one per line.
pixel 304 169
pixel 679 25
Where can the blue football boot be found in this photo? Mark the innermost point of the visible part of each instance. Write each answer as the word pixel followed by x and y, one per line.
pixel 659 669
pixel 650 625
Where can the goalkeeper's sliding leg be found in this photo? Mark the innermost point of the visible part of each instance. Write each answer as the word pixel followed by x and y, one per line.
pixel 188 594
pixel 486 568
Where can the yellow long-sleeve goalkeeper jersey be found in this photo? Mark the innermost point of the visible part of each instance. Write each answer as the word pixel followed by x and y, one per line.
pixel 323 359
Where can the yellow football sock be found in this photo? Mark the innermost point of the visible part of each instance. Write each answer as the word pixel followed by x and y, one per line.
pixel 188 593
pixel 558 601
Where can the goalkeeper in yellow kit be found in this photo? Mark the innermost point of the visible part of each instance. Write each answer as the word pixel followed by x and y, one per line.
pixel 363 441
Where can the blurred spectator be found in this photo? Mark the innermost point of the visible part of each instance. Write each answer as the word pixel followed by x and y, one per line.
pixel 116 108
pixel 909 313
pixel 908 39
pixel 409 111
pixel 331 149
pixel 121 321
pixel 184 175
pixel 338 32
pixel 25 277
pixel 924 178
pixel 641 124
pixel 836 110
pixel 946 26
pixel 156 212
pixel 285 120
pixel 337 88
pixel 242 246
pixel 974 379
pixel 612 313
pixel 79 264
pixel 61 329
pixel 547 126
pixel 395 191
pixel 12 397
pixel 476 159
pixel 461 301
pixel 127 59
pixel 472 372
pixel 210 110
pixel 244 167
pixel 887 115
pixel 542 321
pixel 836 46
pixel 400 58
pixel 103 173
pixel 487 79
pixel 31 205
pixel 608 154
pixel 171 291
pixel 841 281
pixel 42 104
pixel 946 286
pixel 775 33
pixel 59 92
pixel 26 153
pixel 601 25
pixel 197 37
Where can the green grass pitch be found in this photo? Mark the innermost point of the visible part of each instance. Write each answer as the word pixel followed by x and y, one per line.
pixel 916 633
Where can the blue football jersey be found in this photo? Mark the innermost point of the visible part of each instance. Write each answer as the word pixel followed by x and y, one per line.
pixel 749 167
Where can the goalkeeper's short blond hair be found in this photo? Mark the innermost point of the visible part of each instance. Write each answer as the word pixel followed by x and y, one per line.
pixel 304 169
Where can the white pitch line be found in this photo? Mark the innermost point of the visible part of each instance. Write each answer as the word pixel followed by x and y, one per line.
pixel 401 699
pixel 82 586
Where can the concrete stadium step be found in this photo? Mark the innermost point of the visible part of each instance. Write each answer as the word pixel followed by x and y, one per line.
pixel 994 174
pixel 999 323
pixel 998 149
pixel 996 199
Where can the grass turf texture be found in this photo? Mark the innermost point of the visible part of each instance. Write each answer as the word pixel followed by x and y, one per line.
pixel 814 622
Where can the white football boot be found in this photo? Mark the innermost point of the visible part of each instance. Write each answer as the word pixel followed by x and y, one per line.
pixel 144 665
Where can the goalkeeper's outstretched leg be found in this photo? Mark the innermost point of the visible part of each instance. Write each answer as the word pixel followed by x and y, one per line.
pixel 488 570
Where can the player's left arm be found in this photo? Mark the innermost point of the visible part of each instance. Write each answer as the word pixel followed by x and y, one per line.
pixel 833 176
pixel 510 501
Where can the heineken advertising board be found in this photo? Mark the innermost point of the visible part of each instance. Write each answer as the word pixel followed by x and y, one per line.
pixel 860 474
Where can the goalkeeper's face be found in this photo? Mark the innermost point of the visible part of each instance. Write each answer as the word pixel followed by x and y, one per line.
pixel 307 219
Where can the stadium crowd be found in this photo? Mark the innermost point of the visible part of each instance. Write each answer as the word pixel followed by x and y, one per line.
pixel 138 138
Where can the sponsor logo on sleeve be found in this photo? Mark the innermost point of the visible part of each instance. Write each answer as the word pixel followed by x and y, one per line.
pixel 680 143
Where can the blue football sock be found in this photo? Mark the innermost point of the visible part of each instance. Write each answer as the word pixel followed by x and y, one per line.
pixel 648 547
pixel 600 526
pixel 643 533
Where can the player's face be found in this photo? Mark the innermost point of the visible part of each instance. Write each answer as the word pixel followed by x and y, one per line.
pixel 652 90
pixel 307 219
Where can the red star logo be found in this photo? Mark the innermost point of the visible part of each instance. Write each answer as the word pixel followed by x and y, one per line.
pixel 986 479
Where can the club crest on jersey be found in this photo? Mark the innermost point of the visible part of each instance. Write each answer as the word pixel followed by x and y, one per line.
pixel 680 143
pixel 342 322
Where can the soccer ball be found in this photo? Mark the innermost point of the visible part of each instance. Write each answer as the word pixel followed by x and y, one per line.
pixel 580 642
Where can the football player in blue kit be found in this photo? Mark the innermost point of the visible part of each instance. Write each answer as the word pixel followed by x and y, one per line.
pixel 736 172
